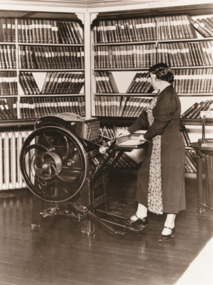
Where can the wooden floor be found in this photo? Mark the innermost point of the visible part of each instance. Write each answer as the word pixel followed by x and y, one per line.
pixel 59 254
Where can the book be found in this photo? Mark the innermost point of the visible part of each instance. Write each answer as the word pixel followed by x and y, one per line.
pixel 139 84
pixel 201 27
pixel 6 113
pixel 49 82
pixel 189 110
pixel 23 84
pixel 30 82
pixel 99 83
pixel 112 82
pixel 184 131
pixel 193 112
pixel 97 106
pixel 63 34
pixel 123 101
pixel 190 164
pixel 8 83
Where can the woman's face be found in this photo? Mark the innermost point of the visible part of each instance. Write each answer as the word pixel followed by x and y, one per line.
pixel 153 80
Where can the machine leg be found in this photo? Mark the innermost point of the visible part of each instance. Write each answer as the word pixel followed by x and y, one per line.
pixel 205 184
pixel 91 198
pixel 87 227
pixel 209 180
pixel 37 207
pixel 87 198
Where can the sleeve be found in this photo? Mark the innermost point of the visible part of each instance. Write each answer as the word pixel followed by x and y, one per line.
pixel 140 123
pixel 162 113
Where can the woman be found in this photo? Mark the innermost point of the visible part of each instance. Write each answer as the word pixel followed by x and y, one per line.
pixel 160 180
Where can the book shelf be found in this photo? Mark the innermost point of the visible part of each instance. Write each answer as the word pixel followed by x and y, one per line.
pixel 134 44
pixel 125 46
pixel 42 72
pixel 41 67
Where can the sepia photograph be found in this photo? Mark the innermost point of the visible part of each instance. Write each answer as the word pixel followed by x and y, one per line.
pixel 106 142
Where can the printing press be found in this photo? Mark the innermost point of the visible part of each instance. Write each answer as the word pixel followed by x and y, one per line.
pixel 65 164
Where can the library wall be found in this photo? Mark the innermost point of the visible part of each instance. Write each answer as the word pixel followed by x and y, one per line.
pixel 41 73
pixel 125 47
pixel 44 70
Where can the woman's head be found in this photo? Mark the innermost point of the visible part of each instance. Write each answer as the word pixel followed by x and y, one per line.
pixel 163 72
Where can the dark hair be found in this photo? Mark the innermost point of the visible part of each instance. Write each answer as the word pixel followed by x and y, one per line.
pixel 163 72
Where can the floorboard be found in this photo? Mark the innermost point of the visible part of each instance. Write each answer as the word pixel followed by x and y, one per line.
pixel 59 254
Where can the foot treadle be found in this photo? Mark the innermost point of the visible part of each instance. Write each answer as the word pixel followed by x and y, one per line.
pixel 118 221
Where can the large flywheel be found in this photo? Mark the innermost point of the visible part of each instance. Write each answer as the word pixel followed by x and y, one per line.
pixel 53 163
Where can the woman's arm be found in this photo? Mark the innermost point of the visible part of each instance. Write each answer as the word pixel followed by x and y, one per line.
pixel 140 123
pixel 162 112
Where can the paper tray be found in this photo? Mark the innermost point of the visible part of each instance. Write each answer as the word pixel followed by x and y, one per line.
pixel 131 141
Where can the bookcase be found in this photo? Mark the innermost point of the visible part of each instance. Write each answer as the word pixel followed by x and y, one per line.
pixel 42 67
pixel 41 72
pixel 125 46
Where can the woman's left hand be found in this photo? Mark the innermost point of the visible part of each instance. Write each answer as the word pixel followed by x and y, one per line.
pixel 122 133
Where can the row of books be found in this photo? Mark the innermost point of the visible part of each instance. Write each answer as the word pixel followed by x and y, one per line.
pixel 49 31
pixel 120 106
pixel 190 161
pixel 124 106
pixel 140 84
pixel 51 57
pixel 8 83
pixel 177 26
pixel 105 82
pixel 54 83
pixel 203 24
pixel 194 81
pixel 175 54
pixel 186 81
pixel 7 57
pixel 28 83
pixel 193 112
pixel 143 29
pixel 186 54
pixel 63 83
pixel 7 30
pixel 34 107
pixel 125 56
pixel 8 109
pixel 135 29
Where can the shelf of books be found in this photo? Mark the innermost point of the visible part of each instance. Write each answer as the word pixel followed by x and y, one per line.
pixel 41 73
pixel 41 68
pixel 124 47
